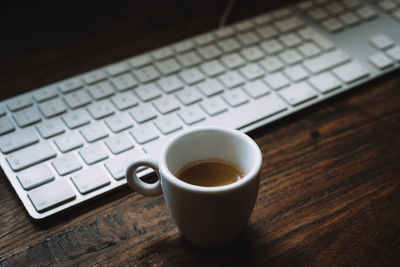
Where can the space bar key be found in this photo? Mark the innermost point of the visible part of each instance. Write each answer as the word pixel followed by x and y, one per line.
pixel 30 156
pixel 247 114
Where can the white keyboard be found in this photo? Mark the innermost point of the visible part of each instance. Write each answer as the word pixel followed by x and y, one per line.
pixel 69 142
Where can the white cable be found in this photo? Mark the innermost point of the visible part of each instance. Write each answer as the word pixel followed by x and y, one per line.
pixel 226 13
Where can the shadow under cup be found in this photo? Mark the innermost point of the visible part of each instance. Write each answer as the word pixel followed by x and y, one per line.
pixel 211 217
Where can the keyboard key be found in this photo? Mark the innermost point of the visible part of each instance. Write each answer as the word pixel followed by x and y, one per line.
pixel 168 66
pixel 214 106
pixel 191 76
pixel 252 71
pixel 2 111
pixel 189 59
pixel 148 92
pixel 229 45
pixel 380 60
pixel 332 25
pixel 212 68
pixel 191 115
pixel 209 52
pixel 119 143
pixel 281 13
pixel 387 5
pixel 296 73
pixel 290 39
pixel 168 124
pixel 140 61
pixel 52 107
pixel 90 179
pixel 184 46
pixel 68 142
pixel 101 109
pixel 76 118
pixel 310 34
pixel 162 53
pixel 277 81
pixel 252 53
pixel 243 26
pixel 143 113
pixel 291 57
pixel 317 14
pixel 289 24
pixel 231 79
pixel 351 72
pixel 325 82
pixel 224 32
pixel 66 164
pixel 117 166
pixel 77 99
pixel 204 39
pixel 267 31
pixel 27 116
pixel 326 61
pixel 19 102
pixel 93 153
pixel 305 5
pixel 93 132
pixel 235 97
pixel 248 38
pixel 309 49
pixel 188 96
pixel 18 140
pixel 272 46
pixel 349 19
pixel 117 69
pixel 381 42
pixel 307 33
pixel 263 19
pixel 101 90
pixel 70 85
pixel 124 82
pixel 46 93
pixel 35 176
pixel 233 60
pixel 50 128
pixel 256 89
pixel 147 74
pixel 334 8
pixel 272 64
pixel 166 104
pixel 394 53
pixel 351 4
pixel 30 156
pixel 211 87
pixel 322 41
pixel 298 93
pixel 125 100
pixel 51 195
pixel 170 84
pixel 118 122
pixel 94 76
pixel 144 134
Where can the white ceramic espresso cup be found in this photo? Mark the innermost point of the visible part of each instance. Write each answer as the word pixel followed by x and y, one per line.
pixel 208 217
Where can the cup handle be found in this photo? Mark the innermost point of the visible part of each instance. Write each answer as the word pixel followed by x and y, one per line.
pixel 138 185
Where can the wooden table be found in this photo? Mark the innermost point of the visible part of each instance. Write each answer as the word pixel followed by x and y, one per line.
pixel 330 187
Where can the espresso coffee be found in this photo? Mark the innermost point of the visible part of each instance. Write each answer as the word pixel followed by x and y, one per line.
pixel 210 173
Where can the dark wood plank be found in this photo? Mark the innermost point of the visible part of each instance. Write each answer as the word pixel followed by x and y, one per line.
pixel 329 195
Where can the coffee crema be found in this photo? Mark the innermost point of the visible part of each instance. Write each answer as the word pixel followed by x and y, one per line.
pixel 210 173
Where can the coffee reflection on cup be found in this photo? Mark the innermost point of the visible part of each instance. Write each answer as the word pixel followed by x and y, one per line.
pixel 209 177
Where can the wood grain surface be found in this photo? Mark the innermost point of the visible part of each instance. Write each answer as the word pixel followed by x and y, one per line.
pixel 330 186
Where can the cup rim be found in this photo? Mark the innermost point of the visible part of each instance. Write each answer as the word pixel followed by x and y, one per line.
pixel 164 170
